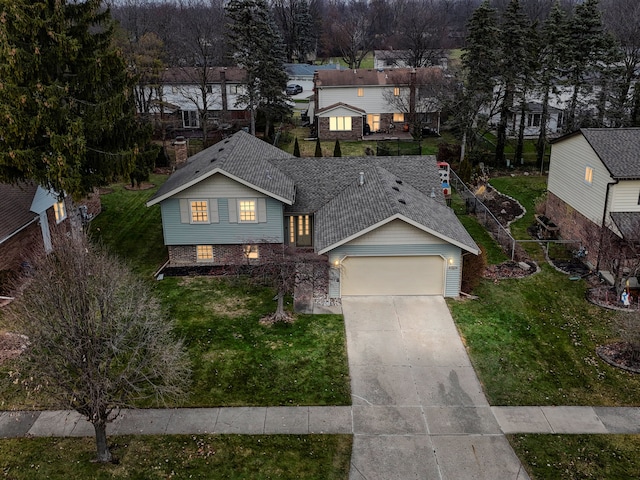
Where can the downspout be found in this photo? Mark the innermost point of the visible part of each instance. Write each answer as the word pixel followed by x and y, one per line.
pixel 604 218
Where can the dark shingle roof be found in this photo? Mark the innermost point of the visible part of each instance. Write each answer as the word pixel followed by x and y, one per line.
pixel 15 207
pixel 628 223
pixel 330 188
pixel 241 156
pixel 194 75
pixel 618 148
pixel 370 77
pixel 380 196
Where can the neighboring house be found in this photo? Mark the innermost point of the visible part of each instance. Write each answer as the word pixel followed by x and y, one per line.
pixel 302 74
pixel 381 222
pixel 594 183
pixel 352 103
pixel 533 119
pixel 180 97
pixel 27 215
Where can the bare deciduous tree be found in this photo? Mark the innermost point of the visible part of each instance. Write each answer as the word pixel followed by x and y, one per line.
pixel 284 268
pixel 99 341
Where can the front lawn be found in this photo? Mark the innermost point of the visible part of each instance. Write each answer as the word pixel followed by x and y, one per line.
pixel 532 342
pixel 181 457
pixel 236 360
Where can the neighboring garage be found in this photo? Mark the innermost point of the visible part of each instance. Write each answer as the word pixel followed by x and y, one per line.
pixel 392 275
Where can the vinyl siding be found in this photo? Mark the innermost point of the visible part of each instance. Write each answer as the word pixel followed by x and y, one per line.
pixel 218 186
pixel 453 272
pixel 223 232
pixel 625 195
pixel 569 159
pixel 397 232
pixel 340 112
pixel 372 101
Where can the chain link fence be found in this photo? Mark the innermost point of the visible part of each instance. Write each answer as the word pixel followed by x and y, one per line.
pixel 474 206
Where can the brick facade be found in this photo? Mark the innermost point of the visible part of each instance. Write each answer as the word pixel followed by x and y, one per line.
pixel 354 134
pixel 186 256
pixel 574 226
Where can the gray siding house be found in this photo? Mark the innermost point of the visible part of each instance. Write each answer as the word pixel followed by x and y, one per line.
pixel 381 222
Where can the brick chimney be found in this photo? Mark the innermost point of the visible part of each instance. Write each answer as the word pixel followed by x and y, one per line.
pixel 180 149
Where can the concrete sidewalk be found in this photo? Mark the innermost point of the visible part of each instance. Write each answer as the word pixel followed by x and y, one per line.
pixel 320 420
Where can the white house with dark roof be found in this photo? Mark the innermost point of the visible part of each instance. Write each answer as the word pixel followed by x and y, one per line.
pixel 349 104
pixel 594 183
pixel 381 222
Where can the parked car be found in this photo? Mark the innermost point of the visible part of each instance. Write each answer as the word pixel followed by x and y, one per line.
pixel 293 89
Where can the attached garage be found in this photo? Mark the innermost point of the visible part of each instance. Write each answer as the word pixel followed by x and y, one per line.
pixel 392 275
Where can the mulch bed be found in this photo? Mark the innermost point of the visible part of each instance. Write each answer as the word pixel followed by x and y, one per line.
pixel 509 269
pixel 505 209
pixel 619 355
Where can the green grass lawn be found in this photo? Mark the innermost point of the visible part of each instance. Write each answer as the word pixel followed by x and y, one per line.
pixel 236 360
pixel 181 457
pixel 429 145
pixel 532 342
pixel 578 457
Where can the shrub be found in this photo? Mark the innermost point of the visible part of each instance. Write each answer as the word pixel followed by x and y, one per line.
pixel 472 269
pixel 296 148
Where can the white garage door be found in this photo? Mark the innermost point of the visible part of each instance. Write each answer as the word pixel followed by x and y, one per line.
pixel 415 275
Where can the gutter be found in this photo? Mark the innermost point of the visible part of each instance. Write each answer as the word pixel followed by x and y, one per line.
pixel 604 218
pixel 35 219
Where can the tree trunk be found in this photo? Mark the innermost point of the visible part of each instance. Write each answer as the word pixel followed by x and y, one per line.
pixel 520 145
pixel 102 449
pixel 542 137
pixel 280 307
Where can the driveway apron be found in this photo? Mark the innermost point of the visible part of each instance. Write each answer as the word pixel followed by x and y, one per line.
pixel 418 408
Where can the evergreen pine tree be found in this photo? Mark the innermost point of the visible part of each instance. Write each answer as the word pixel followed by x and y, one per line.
pixel 479 62
pixel 257 47
pixel 318 148
pixel 553 42
pixel 513 59
pixel 589 48
pixel 296 148
pixel 69 120
pixel 336 149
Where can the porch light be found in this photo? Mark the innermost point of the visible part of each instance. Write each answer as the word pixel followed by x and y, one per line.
pixel 336 262
pixel 451 261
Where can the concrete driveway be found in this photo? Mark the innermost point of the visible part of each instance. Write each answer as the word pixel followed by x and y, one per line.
pixel 418 407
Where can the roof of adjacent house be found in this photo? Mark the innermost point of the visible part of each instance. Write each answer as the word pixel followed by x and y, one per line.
pixel 194 75
pixel 15 207
pixel 330 188
pixel 617 148
pixel 373 77
pixel 628 223
pixel 306 70
pixel 338 105
pixel 241 157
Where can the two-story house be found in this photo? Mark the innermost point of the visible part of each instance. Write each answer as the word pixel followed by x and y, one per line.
pixel 594 188
pixel 381 222
pixel 186 92
pixel 350 104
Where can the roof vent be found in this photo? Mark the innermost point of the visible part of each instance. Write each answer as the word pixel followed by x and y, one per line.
pixel 402 202
pixel 221 149
pixel 361 180
pixel 433 192
pixel 197 171
pixel 213 159
pixel 396 189
pixel 399 182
